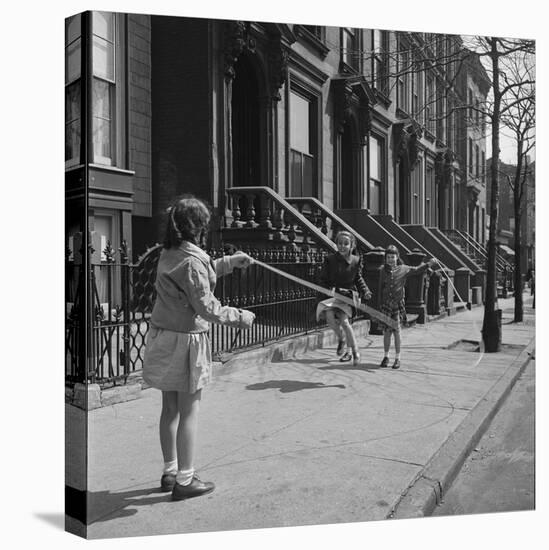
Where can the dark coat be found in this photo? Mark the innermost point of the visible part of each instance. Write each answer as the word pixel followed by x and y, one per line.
pixel 343 274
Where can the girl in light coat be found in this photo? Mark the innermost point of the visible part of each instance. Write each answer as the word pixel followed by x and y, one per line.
pixel 178 356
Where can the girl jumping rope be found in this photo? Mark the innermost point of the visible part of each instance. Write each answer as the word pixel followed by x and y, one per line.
pixel 393 281
pixel 343 272
pixel 178 356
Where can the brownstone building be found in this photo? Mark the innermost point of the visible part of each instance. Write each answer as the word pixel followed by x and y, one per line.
pixel 358 118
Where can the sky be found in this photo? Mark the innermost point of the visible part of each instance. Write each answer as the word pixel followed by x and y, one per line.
pixel 508 149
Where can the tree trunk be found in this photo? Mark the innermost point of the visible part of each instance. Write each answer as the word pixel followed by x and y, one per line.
pixel 491 327
pixel 517 195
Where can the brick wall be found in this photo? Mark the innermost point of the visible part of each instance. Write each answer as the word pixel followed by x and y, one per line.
pixel 139 111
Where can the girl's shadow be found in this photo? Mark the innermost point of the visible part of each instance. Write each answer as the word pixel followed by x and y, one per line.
pixel 107 505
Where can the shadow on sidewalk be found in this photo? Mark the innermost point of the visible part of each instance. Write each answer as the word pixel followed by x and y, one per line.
pixel 106 505
pixel 366 367
pixel 288 386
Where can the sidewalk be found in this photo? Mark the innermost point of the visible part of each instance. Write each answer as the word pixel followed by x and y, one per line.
pixel 309 440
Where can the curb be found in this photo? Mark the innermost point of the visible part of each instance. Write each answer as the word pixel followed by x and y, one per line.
pixel 429 487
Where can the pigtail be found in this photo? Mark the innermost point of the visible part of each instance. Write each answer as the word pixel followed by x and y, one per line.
pixel 176 231
pixel 188 220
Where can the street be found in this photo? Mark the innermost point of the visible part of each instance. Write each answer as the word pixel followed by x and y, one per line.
pixel 499 475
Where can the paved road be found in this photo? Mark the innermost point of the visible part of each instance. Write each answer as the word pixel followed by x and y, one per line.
pixel 499 475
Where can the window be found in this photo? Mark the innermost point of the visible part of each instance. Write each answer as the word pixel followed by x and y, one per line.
pixel 417 89
pixel 403 80
pixel 450 67
pixel 376 171
pixel 477 162
pixel 440 110
pixel 73 86
pixel 302 146
pixel 470 102
pixel 450 124
pixel 430 197
pixel 314 30
pixel 483 167
pixel 470 160
pixel 430 104
pixel 417 192
pixel 103 87
pixel 380 73
pixel 350 48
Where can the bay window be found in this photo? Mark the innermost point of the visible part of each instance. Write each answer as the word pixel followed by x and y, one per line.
pixel 103 87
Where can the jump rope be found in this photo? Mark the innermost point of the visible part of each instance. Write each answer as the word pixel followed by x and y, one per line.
pixel 362 307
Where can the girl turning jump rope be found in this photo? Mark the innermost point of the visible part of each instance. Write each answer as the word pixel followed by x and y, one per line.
pixel 178 356
pixel 393 281
pixel 343 272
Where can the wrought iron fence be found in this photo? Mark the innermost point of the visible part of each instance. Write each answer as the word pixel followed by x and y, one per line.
pixel 122 297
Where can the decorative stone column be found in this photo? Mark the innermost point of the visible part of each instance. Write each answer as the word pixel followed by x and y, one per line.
pixel 463 284
pixel 416 288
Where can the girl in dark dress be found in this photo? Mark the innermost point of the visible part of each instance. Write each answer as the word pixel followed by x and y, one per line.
pixel 342 271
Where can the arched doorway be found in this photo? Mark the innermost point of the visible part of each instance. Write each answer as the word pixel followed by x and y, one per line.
pixel 245 125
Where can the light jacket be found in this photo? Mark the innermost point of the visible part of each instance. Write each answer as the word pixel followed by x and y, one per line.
pixel 185 282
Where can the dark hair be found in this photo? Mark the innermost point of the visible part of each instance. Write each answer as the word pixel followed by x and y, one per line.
pixel 188 220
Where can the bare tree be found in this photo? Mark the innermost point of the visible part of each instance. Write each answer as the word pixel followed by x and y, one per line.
pixel 505 84
pixel 520 120
pixel 510 90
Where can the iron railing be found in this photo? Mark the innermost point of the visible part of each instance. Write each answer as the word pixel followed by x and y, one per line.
pixel 123 297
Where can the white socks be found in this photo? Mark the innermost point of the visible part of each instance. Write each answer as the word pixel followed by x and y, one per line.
pixel 397 356
pixel 184 477
pixel 170 467
pixel 386 355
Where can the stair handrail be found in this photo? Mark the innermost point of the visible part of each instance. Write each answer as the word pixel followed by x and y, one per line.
pixel 362 243
pixel 475 244
pixel 308 228
pixel 471 242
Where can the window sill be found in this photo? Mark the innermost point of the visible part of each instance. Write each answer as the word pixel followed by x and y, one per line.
pixel 429 136
pixel 384 99
pixel 346 69
pixel 112 169
pixel 73 167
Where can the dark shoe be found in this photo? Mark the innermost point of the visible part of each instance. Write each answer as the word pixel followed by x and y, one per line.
pixel 340 347
pixel 396 364
pixel 347 356
pixel 196 488
pixel 385 363
pixel 167 482
pixel 356 358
